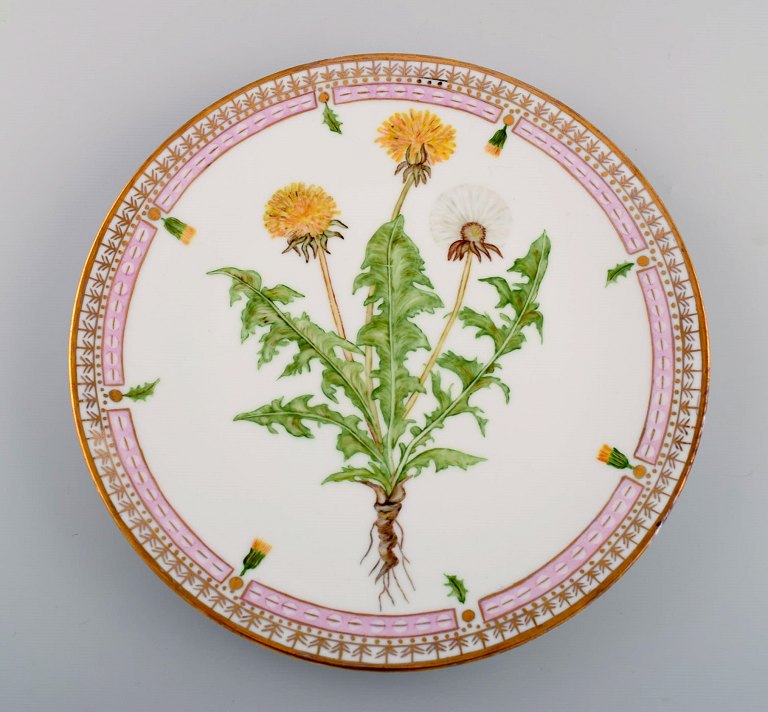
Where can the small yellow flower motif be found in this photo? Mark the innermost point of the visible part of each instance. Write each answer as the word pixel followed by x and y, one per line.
pixel 496 143
pixel 261 546
pixel 417 139
pixel 605 453
pixel 302 214
pixel 180 230
pixel 259 549
pixel 616 458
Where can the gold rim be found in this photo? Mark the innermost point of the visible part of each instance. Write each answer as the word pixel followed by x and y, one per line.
pixel 523 637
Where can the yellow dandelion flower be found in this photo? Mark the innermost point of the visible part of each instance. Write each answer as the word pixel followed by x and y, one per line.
pixel 298 210
pixel 614 457
pixel 180 230
pixel 417 134
pixel 261 546
pixel 259 549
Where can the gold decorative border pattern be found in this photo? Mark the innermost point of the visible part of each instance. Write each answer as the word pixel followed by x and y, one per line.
pixel 476 639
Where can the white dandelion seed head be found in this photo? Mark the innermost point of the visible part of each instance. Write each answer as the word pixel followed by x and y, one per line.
pixel 466 204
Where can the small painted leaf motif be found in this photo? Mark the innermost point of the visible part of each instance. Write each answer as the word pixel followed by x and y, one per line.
pixel 456 587
pixel 331 119
pixel 620 270
pixel 142 392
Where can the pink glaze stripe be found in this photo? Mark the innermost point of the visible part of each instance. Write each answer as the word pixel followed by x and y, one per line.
pixel 418 92
pixel 569 561
pixel 590 179
pixel 119 299
pixel 151 495
pixel 305 613
pixel 662 372
pixel 226 140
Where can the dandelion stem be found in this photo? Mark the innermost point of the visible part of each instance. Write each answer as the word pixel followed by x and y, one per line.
pixel 401 199
pixel 335 312
pixel 446 329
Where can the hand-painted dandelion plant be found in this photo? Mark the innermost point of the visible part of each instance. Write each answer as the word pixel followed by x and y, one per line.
pixel 381 446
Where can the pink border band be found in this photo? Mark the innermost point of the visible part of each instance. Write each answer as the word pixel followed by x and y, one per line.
pixel 305 613
pixel 116 312
pixel 130 454
pixel 590 179
pixel 662 373
pixel 418 92
pixel 566 563
pixel 226 140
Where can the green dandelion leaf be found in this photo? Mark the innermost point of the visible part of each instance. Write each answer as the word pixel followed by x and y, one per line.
pixel 142 392
pixel 331 119
pixel 456 588
pixel 620 270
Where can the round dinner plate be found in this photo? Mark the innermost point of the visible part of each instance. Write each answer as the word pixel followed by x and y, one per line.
pixel 388 362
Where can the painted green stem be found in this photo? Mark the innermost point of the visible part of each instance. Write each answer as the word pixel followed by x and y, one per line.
pixel 446 330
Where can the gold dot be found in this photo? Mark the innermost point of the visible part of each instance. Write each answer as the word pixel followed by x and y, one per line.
pixel 235 583
pixel 638 471
pixel 115 395
pixel 153 214
pixel 643 261
pixel 468 616
pixel 509 120
pixel 324 97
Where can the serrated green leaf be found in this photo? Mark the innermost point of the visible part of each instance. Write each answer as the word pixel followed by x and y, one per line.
pixel 247 281
pixel 456 587
pixel 473 377
pixel 533 265
pixel 262 311
pixel 520 297
pixel 142 392
pixel 282 294
pixel 486 326
pixel 295 416
pixel 350 474
pixel 620 270
pixel 506 294
pixel 393 272
pixel 441 458
pixel 331 119
pixel 358 474
pixel 506 336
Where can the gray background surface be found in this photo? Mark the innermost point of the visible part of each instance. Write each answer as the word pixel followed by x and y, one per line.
pixel 89 89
